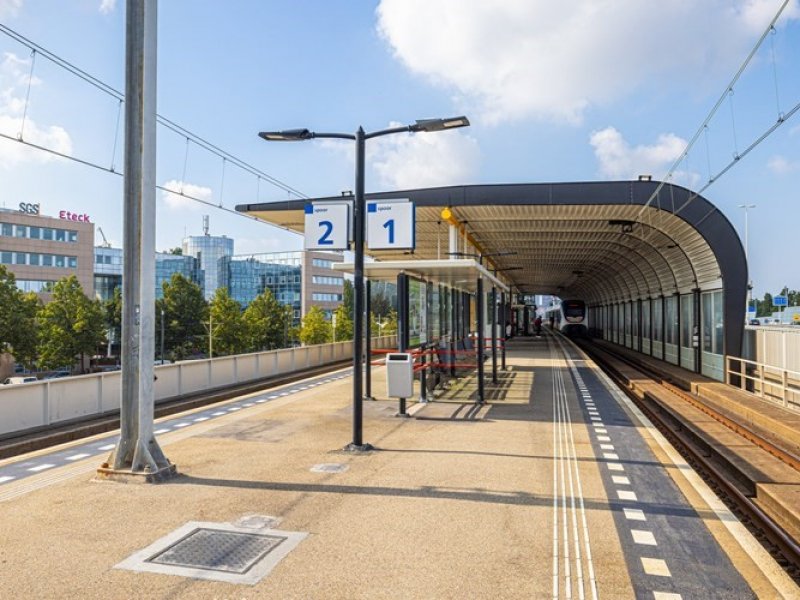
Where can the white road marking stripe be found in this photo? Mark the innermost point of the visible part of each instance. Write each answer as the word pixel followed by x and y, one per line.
pixel 606 446
pixel 666 596
pixel 634 514
pixel 603 438
pixel 6 478
pixel 219 413
pixel 107 447
pixel 620 480
pixel 610 456
pixel 179 425
pixel 600 429
pixel 160 431
pixel 78 456
pixel 615 467
pixel 234 408
pixel 201 419
pixel 627 495
pixel 645 538
pixel 655 566
pixel 41 468
pixel 248 405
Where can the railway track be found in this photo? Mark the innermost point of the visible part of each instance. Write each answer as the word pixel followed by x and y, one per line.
pixel 41 438
pixel 704 458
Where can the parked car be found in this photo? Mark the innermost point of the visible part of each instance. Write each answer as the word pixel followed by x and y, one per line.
pixel 16 380
pixel 755 322
pixel 57 375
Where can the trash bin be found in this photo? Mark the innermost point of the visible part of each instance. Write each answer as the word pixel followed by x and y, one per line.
pixel 399 375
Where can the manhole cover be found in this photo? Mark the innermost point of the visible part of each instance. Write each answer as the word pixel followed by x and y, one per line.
pixel 329 468
pixel 216 551
pixel 226 551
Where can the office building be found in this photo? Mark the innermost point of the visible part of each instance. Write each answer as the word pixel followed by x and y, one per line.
pixel 40 250
pixel 299 279
pixel 108 270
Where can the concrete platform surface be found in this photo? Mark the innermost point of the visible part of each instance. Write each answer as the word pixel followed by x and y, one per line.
pixel 516 500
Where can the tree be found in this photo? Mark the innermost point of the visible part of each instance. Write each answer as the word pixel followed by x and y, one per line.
pixel 185 311
pixel 17 319
pixel 348 298
pixel 175 251
pixel 380 304
pixel 390 324
pixel 315 329
pixel 112 312
pixel 344 324
pixel 764 307
pixel 265 323
pixel 70 325
pixel 228 329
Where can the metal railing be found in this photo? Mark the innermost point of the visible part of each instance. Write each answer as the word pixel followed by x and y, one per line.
pixel 766 381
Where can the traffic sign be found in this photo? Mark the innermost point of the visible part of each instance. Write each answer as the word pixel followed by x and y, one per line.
pixel 796 317
pixel 390 225
pixel 780 301
pixel 327 226
pixel 751 308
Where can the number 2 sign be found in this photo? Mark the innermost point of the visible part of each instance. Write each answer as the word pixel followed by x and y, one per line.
pixel 390 225
pixel 327 226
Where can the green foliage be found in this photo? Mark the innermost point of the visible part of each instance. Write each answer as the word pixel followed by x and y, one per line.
pixel 185 312
pixel 17 319
pixel 69 325
pixel 112 313
pixel 266 322
pixel 349 298
pixel 228 329
pixel 390 324
pixel 315 329
pixel 380 304
pixel 175 251
pixel 344 324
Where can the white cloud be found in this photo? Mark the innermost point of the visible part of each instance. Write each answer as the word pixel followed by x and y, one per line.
pixel 409 161
pixel 179 195
pixel 780 165
pixel 14 78
pixel 107 6
pixel 619 160
pixel 9 8
pixel 516 59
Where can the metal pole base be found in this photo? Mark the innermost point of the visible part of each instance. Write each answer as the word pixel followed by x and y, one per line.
pixel 372 398
pixel 355 448
pixel 106 473
pixel 403 415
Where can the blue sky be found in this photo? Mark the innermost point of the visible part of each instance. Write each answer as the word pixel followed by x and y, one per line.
pixel 587 90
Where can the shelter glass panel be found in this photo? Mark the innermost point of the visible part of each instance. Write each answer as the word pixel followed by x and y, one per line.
pixel 417 312
pixel 671 333
pixel 687 328
pixel 713 361
pixel 635 319
pixel 626 307
pixel 646 307
pixel 658 333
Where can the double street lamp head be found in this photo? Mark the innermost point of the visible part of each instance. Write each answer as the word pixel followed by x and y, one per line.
pixel 426 125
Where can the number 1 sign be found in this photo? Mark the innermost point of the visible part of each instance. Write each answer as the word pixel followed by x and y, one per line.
pixel 390 225
pixel 327 226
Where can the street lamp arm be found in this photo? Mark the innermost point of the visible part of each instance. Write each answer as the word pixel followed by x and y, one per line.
pixel 381 132
pixel 338 136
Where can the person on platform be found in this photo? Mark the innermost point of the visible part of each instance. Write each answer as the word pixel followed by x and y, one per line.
pixel 538 325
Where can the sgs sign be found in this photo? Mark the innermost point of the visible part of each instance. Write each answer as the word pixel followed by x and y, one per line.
pixel 28 209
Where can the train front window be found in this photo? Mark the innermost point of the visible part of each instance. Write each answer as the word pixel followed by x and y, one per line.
pixel 574 311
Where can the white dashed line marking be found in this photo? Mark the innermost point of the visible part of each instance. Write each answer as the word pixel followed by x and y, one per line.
pixel 219 413
pixel 620 480
pixel 627 495
pixel 107 447
pixel 261 401
pixel 666 596
pixel 615 467
pixel 160 431
pixel 600 429
pixel 597 420
pixel 656 566
pixel 644 538
pixel 200 419
pixel 178 425
pixel 234 408
pixel 271 397
pixel 5 478
pixel 606 446
pixel 41 468
pixel 248 405
pixel 78 456
pixel 285 394
pixel 603 438
pixel 610 456
pixel 634 514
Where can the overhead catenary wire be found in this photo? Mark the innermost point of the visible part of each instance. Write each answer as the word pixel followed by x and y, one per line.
pixel 164 121
pixel 704 126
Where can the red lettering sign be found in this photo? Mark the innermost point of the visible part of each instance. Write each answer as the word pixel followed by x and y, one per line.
pixel 71 216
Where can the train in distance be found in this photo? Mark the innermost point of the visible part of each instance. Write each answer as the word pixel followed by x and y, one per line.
pixel 570 317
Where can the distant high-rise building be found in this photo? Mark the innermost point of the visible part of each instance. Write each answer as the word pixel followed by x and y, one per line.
pixel 209 249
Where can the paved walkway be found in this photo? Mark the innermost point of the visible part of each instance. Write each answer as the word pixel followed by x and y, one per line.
pixel 455 503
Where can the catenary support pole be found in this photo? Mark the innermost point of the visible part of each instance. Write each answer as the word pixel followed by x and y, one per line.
pixel 494 334
pixel 480 340
pixel 402 326
pixel 503 322
pixel 358 285
pixel 368 342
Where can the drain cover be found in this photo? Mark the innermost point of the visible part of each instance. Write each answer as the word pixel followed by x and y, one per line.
pixel 226 551
pixel 217 551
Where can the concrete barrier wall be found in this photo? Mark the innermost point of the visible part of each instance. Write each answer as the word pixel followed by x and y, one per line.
pixel 29 405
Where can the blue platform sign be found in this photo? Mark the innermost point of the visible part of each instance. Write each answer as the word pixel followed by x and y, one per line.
pixel 751 308
pixel 390 225
pixel 327 226
pixel 780 301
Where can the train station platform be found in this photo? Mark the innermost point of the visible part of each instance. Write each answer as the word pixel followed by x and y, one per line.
pixel 557 487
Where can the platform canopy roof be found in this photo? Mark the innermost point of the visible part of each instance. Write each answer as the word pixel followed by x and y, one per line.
pixel 604 242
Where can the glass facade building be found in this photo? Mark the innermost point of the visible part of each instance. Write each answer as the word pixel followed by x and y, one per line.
pixel 108 271
pixel 209 250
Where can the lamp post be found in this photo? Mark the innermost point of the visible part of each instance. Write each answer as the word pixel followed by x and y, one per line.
pixel 746 208
pixel 162 336
pixel 359 209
